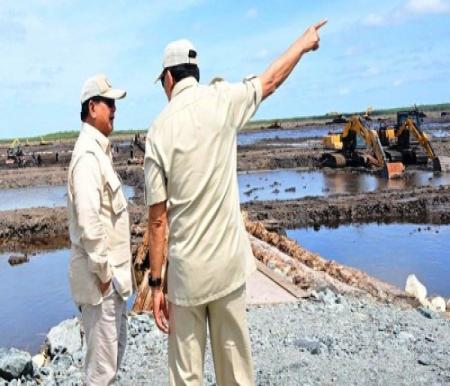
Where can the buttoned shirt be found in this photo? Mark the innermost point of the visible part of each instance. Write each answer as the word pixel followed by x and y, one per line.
pixel 98 221
pixel 190 161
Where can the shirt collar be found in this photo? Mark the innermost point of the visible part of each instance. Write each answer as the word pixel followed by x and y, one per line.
pixel 97 136
pixel 183 85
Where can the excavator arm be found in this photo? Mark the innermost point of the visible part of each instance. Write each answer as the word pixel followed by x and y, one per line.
pixel 355 127
pixel 439 163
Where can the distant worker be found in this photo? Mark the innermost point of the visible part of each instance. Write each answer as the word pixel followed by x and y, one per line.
pixel 131 150
pixel 191 181
pixel 56 157
pixel 39 160
pixel 100 266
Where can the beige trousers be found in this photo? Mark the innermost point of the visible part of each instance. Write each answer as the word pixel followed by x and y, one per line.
pixel 105 327
pixel 230 341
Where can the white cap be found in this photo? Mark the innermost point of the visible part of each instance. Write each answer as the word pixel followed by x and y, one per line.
pixel 178 52
pixel 99 85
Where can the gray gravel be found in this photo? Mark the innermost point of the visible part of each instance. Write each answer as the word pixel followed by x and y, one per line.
pixel 327 339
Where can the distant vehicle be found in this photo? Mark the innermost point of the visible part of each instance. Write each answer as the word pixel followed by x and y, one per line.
pixel 346 150
pixel 15 155
pixel 406 142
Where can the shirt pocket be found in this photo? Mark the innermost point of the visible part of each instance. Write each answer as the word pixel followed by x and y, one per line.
pixel 115 193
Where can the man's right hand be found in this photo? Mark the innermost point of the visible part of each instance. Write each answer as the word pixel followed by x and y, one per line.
pixel 104 287
pixel 160 310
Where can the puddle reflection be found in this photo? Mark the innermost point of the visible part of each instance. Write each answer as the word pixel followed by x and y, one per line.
pixel 294 184
pixel 437 129
pixel 389 252
pixel 35 196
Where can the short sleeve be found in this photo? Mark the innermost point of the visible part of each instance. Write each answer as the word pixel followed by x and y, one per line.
pixel 245 100
pixel 155 179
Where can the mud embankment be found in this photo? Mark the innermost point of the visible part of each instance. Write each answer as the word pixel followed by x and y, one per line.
pixel 276 157
pixel 34 229
pixel 323 272
pixel 427 204
pixel 43 228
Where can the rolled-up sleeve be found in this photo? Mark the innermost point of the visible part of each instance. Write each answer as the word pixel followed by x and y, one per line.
pixel 87 190
pixel 155 180
pixel 245 100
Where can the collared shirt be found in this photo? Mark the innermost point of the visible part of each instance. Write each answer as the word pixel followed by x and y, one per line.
pixel 190 161
pixel 98 220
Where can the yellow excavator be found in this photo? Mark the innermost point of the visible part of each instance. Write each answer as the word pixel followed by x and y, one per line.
pixel 346 150
pixel 15 154
pixel 399 145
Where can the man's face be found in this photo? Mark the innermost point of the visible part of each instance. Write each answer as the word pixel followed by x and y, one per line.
pixel 102 111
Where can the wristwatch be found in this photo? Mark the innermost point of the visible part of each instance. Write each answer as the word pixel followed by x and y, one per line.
pixel 154 282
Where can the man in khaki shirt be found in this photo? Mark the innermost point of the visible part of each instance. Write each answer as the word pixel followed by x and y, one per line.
pixel 100 266
pixel 191 182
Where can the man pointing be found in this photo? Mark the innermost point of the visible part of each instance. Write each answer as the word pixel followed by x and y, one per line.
pixel 191 183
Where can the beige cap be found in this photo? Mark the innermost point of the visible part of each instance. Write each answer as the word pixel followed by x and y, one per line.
pixel 178 52
pixel 99 85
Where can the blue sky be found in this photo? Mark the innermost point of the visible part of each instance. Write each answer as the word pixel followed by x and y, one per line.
pixel 380 54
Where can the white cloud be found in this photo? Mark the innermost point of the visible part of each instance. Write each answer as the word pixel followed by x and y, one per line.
pixel 262 54
pixel 427 6
pixel 372 71
pixel 373 20
pixel 405 12
pixel 351 51
pixel 344 91
pixel 397 82
pixel 252 13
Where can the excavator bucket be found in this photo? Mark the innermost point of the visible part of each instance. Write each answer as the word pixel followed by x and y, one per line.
pixel 441 164
pixel 394 170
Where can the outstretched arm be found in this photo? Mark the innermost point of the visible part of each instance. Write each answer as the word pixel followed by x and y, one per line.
pixel 280 69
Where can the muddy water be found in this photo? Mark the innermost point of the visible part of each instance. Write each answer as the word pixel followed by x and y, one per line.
pixel 294 184
pixel 248 138
pixel 47 196
pixel 388 252
pixel 436 129
pixel 36 297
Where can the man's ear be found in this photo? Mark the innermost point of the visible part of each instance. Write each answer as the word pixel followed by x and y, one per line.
pixel 169 80
pixel 169 83
pixel 92 111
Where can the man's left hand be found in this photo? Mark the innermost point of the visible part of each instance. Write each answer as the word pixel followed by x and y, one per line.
pixel 160 310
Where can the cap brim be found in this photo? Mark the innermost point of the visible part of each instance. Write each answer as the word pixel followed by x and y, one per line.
pixel 114 93
pixel 159 76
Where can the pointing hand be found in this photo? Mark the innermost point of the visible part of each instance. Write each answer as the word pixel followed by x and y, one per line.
pixel 311 37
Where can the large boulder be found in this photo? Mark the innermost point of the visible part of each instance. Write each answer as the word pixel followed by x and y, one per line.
pixel 438 304
pixel 14 364
pixel 415 288
pixel 65 338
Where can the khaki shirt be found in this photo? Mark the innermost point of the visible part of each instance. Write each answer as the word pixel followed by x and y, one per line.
pixel 190 160
pixel 98 221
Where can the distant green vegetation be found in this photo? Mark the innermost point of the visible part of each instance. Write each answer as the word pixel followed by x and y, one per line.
pixel 253 125
pixel 63 135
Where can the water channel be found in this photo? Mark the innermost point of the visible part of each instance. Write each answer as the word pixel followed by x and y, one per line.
pixel 295 184
pixel 267 185
pixel 436 129
pixel 36 297
pixel 47 196
pixel 389 252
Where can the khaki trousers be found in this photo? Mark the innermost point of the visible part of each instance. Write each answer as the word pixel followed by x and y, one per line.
pixel 230 342
pixel 105 327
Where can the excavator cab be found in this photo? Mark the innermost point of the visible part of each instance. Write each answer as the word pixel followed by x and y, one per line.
pixel 408 129
pixel 354 135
